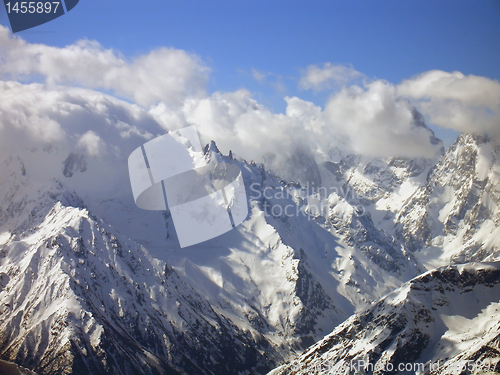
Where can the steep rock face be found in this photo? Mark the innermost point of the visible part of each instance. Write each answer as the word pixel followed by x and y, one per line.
pixel 344 250
pixel 455 215
pixel 366 180
pixel 357 228
pixel 366 250
pixel 361 205
pixel 435 324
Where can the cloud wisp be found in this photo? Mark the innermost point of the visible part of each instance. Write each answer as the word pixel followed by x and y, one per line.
pixel 327 77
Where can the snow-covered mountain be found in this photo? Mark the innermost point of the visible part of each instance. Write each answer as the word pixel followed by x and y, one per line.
pixel 454 216
pixel 451 218
pixel 77 296
pixel 92 284
pixel 81 295
pixel 444 211
pixel 445 321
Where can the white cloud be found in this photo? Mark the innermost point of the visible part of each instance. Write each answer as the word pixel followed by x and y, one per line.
pixel 369 121
pixel 327 77
pixel 239 123
pixel 456 101
pixel 372 119
pixel 274 80
pixel 259 76
pixel 377 122
pixel 43 126
pixel 91 143
pixel 165 74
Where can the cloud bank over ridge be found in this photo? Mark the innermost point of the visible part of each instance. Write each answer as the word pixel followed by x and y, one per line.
pixel 168 87
pixel 469 104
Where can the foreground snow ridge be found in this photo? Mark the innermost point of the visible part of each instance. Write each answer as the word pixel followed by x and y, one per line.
pixel 446 321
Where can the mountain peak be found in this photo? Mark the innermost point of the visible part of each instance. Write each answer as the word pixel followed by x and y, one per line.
pixel 419 121
pixel 473 139
pixel 212 147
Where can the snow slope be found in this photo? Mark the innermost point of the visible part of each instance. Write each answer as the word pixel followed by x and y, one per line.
pixel 441 322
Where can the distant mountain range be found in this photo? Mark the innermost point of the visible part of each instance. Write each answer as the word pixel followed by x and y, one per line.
pixel 381 260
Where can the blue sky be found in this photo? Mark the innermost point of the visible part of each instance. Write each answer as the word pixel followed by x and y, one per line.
pixel 390 40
